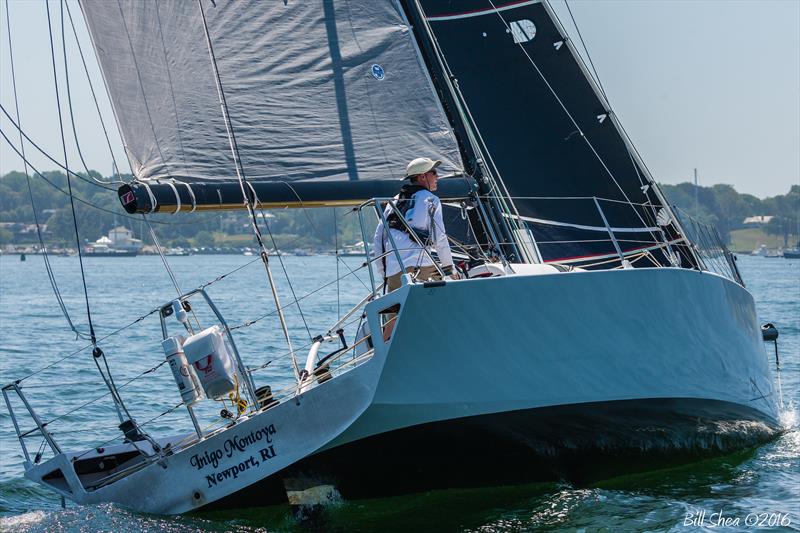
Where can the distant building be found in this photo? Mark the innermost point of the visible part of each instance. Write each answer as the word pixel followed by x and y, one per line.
pixel 121 238
pixel 30 229
pixel 758 220
pixel 24 232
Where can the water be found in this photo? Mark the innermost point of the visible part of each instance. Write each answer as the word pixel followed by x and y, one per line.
pixel 747 486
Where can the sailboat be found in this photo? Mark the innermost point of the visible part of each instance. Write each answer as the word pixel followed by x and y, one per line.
pixel 594 330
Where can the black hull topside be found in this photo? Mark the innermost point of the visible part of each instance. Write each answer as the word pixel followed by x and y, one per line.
pixel 579 444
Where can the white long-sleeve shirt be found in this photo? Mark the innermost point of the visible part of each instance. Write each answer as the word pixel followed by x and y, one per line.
pixel 425 214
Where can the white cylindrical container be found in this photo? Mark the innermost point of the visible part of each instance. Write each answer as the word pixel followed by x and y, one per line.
pixel 185 377
pixel 209 357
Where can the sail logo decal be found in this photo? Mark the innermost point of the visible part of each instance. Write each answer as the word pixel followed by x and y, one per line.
pixel 522 30
pixel 237 444
pixel 206 368
pixel 377 72
pixel 128 198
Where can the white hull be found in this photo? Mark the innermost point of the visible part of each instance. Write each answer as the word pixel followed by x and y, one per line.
pixel 527 364
pixel 251 451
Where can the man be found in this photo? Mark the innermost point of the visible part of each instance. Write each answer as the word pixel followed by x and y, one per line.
pixel 422 211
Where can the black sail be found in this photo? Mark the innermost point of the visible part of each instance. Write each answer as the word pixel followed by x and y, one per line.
pixel 549 136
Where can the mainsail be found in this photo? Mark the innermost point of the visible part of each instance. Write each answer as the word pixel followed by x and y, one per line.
pixel 551 137
pixel 317 91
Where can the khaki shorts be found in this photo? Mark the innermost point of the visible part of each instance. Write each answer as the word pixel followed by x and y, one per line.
pixel 426 273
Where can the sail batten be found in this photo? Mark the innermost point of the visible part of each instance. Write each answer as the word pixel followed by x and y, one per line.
pixel 316 90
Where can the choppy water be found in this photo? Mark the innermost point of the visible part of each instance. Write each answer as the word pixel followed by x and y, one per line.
pixel 747 486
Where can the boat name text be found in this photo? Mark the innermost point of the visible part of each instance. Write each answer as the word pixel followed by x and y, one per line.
pixel 237 443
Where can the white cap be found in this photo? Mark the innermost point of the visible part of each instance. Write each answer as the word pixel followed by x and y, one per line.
pixel 421 165
pixel 173 345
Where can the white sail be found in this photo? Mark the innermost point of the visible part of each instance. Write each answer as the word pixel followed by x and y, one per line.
pixel 313 88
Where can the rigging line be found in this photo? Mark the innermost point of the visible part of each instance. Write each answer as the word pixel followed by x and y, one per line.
pixel 45 255
pixel 51 158
pixel 245 197
pixel 326 285
pixel 171 89
pixel 277 357
pixel 107 90
pixel 280 260
pixel 315 229
pixel 223 276
pixel 78 198
pixel 79 350
pixel 569 115
pixel 97 352
pixel 629 144
pixel 161 254
pixel 588 55
pixel 254 369
pixel 600 85
pixel 336 254
pixel 141 85
pixel 94 95
pixel 245 265
pixel 590 198
pixel 477 145
pixel 104 443
pixel 69 182
pixel 69 97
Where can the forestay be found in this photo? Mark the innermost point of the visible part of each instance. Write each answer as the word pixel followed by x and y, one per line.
pixel 316 90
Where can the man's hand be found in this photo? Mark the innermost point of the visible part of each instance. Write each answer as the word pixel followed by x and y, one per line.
pixel 455 275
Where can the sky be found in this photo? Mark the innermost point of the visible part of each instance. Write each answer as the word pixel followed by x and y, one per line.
pixel 706 84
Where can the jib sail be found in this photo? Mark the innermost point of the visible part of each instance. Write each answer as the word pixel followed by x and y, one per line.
pixel 550 137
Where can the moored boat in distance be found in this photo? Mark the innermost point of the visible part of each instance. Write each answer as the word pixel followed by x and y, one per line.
pixel 353 250
pixel 119 243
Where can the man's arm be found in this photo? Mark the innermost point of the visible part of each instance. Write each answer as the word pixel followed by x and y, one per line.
pixel 441 242
pixel 377 250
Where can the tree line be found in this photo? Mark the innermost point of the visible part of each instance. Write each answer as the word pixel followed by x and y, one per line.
pixel 99 210
pixel 726 209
